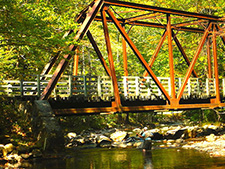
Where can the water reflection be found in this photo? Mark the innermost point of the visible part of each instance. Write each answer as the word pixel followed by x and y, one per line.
pixel 99 158
pixel 147 155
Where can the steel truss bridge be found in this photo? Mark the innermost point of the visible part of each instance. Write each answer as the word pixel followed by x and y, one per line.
pixel 83 94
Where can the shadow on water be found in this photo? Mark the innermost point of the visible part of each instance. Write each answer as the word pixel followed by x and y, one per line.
pixel 102 158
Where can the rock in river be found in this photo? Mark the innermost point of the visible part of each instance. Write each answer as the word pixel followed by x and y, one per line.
pixel 118 136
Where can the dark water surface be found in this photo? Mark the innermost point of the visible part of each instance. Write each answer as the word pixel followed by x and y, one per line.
pixel 102 158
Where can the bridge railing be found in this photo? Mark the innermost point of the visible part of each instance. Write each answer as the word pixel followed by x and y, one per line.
pixel 101 86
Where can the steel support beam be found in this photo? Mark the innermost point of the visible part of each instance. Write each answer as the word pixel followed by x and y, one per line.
pixel 98 52
pixel 75 62
pixel 191 67
pixel 110 57
pixel 216 73
pixel 138 54
pixel 209 58
pixel 108 110
pixel 144 16
pixel 161 10
pixel 183 53
pixel 50 64
pixel 125 68
pixel 172 79
pixel 222 37
pixel 153 25
pixel 53 59
pixel 156 52
pixel 64 62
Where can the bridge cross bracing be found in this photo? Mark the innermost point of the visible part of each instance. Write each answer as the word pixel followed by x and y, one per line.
pixel 207 26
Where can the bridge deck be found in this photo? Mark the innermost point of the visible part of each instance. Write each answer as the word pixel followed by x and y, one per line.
pixel 94 94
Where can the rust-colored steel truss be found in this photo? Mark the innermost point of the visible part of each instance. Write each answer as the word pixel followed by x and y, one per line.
pixel 102 10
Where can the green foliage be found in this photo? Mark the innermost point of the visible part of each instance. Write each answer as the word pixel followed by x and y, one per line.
pixel 206 115
pixel 15 121
pixel 32 31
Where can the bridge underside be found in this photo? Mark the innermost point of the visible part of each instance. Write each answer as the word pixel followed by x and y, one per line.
pixel 209 27
pixel 70 106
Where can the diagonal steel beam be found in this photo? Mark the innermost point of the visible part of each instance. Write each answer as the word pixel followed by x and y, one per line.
pixel 183 53
pixel 50 64
pixel 99 54
pixel 191 67
pixel 188 23
pixel 64 62
pixel 53 59
pixel 155 54
pixel 144 16
pixel 222 37
pixel 138 54
pixel 125 68
pixel 110 57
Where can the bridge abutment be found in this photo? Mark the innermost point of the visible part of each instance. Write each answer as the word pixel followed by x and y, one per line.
pixel 47 130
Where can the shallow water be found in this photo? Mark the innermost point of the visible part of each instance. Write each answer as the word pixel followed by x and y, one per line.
pixel 102 158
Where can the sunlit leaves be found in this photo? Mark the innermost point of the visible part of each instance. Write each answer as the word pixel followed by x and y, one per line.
pixel 33 30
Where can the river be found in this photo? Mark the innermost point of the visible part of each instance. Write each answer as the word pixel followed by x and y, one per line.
pixel 104 158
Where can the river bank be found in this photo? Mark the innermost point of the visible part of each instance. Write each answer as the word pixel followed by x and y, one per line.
pixel 208 138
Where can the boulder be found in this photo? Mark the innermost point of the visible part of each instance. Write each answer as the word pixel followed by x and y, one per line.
pixel 206 132
pixel 179 141
pixel 6 148
pixel 157 136
pixel 104 144
pixel 79 140
pixel 222 137
pixel 178 134
pixel 211 138
pixel 138 144
pixel 118 136
pixel 137 130
pixel 119 145
pixel 71 135
pixel 101 138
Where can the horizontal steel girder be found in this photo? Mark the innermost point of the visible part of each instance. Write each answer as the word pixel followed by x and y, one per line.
pixel 154 25
pixel 161 10
pixel 134 108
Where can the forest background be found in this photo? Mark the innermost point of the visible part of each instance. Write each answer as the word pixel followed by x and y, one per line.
pixel 31 32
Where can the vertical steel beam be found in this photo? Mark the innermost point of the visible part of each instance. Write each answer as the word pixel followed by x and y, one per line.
pixel 110 57
pixel 183 53
pixel 172 80
pixel 138 54
pixel 64 62
pixel 75 62
pixel 191 67
pixel 155 54
pixel 98 52
pixel 125 68
pixel 209 58
pixel 216 73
